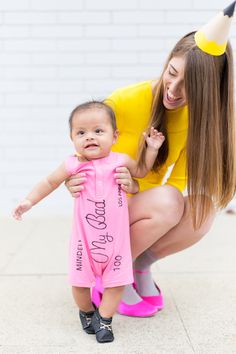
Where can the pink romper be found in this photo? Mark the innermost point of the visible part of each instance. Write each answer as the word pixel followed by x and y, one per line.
pixel 100 241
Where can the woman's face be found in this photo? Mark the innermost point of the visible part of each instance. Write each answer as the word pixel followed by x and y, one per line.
pixel 173 84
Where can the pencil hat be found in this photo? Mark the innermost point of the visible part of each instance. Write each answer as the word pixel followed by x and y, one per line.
pixel 212 38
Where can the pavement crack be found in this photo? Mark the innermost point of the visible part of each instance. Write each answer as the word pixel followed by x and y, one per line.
pixel 182 321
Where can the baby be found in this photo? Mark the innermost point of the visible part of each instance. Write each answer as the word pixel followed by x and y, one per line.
pixel 100 242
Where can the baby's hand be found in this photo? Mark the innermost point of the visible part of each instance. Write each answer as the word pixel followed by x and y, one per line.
pixel 154 139
pixel 24 206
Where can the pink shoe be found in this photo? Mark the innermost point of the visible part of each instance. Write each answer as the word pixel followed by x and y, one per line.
pixel 155 300
pixel 141 309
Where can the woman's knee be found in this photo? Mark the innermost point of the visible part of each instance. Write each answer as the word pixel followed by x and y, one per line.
pixel 170 203
pixel 161 205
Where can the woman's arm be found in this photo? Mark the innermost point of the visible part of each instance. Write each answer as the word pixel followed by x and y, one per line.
pixel 41 190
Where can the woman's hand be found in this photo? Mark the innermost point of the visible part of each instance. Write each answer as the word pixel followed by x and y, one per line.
pixel 75 184
pixel 123 177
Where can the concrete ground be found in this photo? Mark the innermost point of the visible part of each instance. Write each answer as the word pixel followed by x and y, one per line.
pixel 37 313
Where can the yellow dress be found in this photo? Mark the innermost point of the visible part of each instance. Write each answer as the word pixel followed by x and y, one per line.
pixel 132 106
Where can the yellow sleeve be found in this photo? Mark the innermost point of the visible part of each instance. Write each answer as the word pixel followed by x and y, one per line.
pixel 178 176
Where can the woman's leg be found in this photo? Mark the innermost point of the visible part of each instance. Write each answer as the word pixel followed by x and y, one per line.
pixel 152 214
pixel 160 223
pixel 182 235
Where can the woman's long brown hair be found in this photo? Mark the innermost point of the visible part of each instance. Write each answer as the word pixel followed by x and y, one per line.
pixel 210 149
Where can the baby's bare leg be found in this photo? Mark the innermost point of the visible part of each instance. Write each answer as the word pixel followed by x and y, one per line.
pixel 110 301
pixel 82 298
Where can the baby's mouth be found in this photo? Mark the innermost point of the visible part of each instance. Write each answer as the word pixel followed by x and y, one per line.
pixel 91 146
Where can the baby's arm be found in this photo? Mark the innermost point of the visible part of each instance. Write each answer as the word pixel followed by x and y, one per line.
pixel 154 141
pixel 41 190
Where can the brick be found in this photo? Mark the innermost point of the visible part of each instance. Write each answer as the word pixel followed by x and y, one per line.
pixel 30 45
pixel 58 59
pixel 59 86
pixel 83 72
pixel 30 17
pixel 111 31
pixel 63 31
pixel 14 31
pixel 14 5
pixel 58 5
pixel 11 60
pixel 29 99
pixel 165 5
pixel 108 58
pixel 74 99
pixel 82 45
pixel 192 17
pixel 111 5
pixel 32 72
pixel 109 85
pixel 136 72
pixel 138 17
pixel 137 44
pixel 216 5
pixel 84 17
pixel 10 86
pixel 164 31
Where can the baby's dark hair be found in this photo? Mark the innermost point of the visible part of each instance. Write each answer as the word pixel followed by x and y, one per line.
pixel 90 105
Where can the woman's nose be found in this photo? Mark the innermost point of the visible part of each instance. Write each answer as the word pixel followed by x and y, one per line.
pixel 175 87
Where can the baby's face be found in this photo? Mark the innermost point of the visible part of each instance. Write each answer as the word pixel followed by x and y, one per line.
pixel 92 133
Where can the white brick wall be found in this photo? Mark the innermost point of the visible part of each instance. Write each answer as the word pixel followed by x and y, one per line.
pixel 58 53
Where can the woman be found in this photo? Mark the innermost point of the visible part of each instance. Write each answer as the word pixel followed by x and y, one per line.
pixel 192 105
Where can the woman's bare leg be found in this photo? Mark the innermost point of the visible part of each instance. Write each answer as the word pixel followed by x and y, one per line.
pixel 161 223
pixel 152 214
pixel 182 235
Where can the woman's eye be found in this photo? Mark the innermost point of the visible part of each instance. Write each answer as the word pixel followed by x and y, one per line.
pixel 171 73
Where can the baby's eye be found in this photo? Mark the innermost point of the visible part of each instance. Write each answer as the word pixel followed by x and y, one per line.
pixel 98 131
pixel 80 133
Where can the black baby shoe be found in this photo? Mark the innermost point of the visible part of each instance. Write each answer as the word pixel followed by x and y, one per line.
pixel 86 321
pixel 102 328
